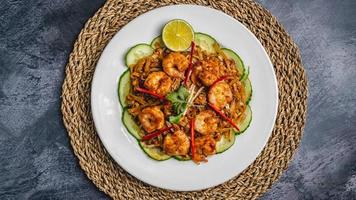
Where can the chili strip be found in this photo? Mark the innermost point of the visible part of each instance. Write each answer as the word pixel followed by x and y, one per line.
pixel 155 134
pixel 189 71
pixel 220 79
pixel 224 116
pixel 150 93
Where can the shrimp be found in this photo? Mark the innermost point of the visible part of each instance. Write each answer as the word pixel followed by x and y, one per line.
pixel 206 122
pixel 208 71
pixel 207 77
pixel 159 82
pixel 151 118
pixel 175 64
pixel 204 146
pixel 220 94
pixel 176 144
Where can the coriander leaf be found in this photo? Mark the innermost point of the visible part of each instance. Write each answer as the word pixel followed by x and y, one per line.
pixel 182 107
pixel 180 95
pixel 183 93
pixel 175 119
pixel 174 98
pixel 179 100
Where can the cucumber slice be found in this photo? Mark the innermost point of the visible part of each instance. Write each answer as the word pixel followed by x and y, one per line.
pixel 182 158
pixel 124 87
pixel 205 41
pixel 130 124
pixel 157 42
pixel 246 73
pixel 154 152
pixel 248 90
pixel 238 62
pixel 137 52
pixel 225 142
pixel 245 122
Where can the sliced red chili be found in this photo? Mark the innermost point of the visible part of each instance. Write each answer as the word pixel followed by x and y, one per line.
pixel 220 79
pixel 189 71
pixel 155 134
pixel 224 116
pixel 150 93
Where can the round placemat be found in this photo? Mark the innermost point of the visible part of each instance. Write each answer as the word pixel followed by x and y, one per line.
pixel 109 176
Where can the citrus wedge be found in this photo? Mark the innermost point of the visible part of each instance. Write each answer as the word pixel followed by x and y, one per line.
pixel 177 35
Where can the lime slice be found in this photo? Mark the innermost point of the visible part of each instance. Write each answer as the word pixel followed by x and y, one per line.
pixel 177 35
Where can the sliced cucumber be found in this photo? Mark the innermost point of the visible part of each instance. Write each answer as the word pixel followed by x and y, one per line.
pixel 157 42
pixel 137 52
pixel 246 73
pixel 205 41
pixel 124 87
pixel 248 89
pixel 238 62
pixel 154 152
pixel 225 142
pixel 182 158
pixel 130 124
pixel 246 120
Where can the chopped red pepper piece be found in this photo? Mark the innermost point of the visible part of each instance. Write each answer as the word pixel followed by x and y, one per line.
pixel 150 93
pixel 220 79
pixel 192 136
pixel 189 71
pixel 224 116
pixel 155 134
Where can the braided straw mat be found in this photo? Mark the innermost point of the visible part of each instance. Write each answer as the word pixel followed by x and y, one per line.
pixel 109 176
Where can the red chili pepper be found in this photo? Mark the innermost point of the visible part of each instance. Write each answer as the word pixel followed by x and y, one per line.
pixel 150 93
pixel 155 134
pixel 192 135
pixel 224 116
pixel 220 79
pixel 189 71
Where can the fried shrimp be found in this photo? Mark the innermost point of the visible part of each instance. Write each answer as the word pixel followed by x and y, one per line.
pixel 151 118
pixel 205 146
pixel 208 71
pixel 175 64
pixel 207 77
pixel 159 82
pixel 220 94
pixel 206 122
pixel 176 143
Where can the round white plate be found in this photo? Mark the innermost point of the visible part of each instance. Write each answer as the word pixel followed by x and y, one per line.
pixel 173 174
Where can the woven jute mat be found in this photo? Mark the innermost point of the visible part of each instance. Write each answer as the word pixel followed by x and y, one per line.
pixel 109 176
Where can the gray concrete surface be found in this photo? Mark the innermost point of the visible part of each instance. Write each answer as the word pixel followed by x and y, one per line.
pixel 37 162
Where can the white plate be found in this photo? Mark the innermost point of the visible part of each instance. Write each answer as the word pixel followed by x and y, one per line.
pixel 173 174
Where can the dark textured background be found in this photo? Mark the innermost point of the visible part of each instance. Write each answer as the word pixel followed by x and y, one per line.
pixel 37 162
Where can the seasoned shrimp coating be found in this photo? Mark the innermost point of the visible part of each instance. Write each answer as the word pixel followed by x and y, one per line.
pixel 204 146
pixel 151 118
pixel 207 77
pixel 175 64
pixel 208 71
pixel 159 82
pixel 176 144
pixel 206 122
pixel 220 94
